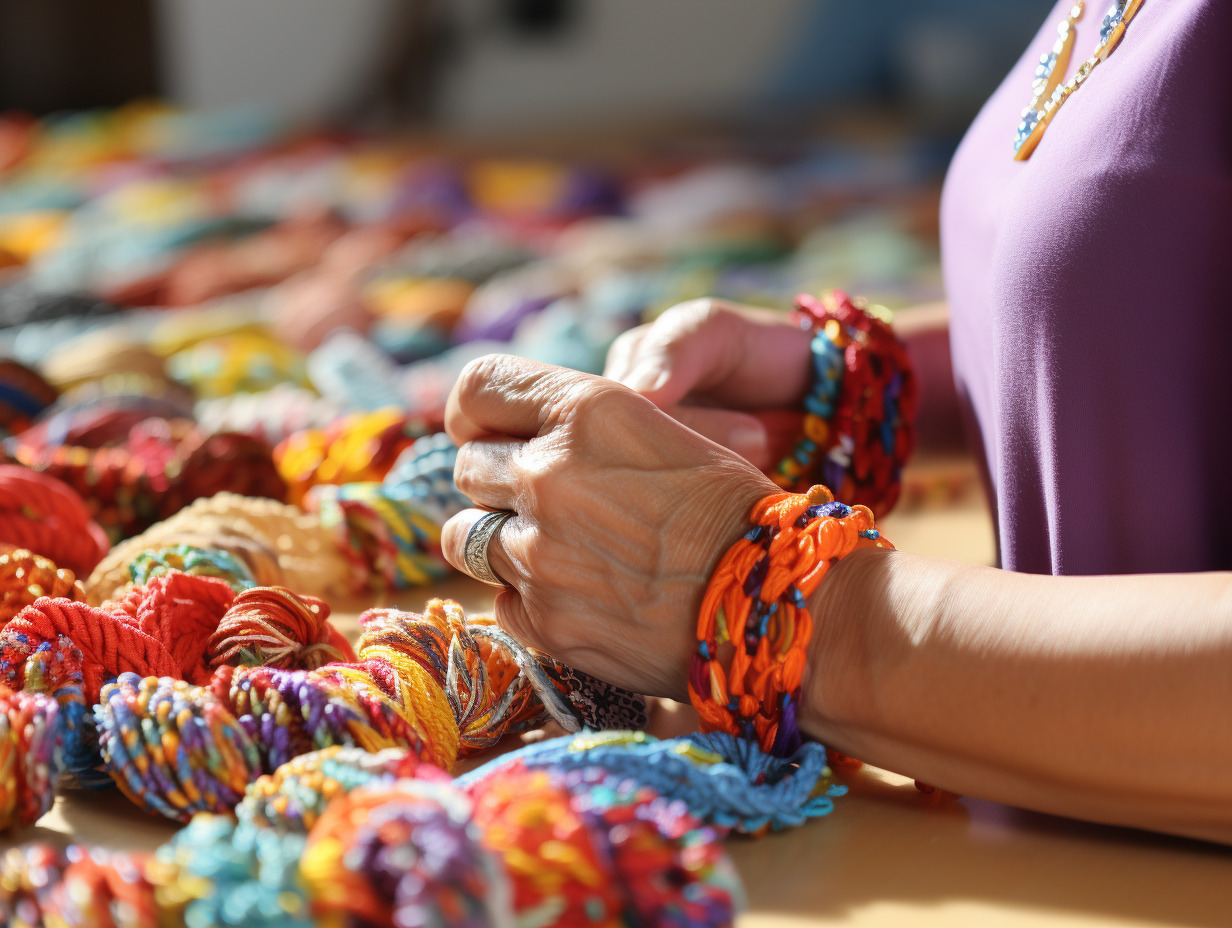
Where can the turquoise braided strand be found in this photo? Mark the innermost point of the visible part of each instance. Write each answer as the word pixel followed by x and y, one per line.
pixel 729 782
pixel 250 876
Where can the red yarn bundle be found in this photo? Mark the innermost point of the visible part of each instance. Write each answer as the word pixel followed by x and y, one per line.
pixel 177 625
pixel 41 513
pixel 273 627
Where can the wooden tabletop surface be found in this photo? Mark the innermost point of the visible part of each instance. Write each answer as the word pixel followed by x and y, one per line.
pixel 888 855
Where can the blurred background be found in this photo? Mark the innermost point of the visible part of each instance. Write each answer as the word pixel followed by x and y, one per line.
pixel 491 66
pixel 295 220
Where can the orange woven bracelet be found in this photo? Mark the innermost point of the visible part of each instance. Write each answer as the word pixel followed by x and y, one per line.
pixel 756 602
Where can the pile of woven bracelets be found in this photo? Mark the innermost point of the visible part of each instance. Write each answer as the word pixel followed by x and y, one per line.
pixel 183 494
pixel 313 777
pixel 195 669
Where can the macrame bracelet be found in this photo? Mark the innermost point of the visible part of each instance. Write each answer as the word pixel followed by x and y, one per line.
pixel 756 606
pixel 859 415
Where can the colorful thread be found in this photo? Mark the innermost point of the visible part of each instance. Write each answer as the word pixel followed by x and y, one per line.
pixel 27 742
pixel 530 849
pixel 421 682
pixel 387 539
pixel 157 470
pixel 281 545
pixel 188 559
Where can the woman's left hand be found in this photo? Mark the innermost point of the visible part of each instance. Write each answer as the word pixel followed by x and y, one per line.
pixel 622 514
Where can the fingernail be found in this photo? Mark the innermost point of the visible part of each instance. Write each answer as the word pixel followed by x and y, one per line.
pixel 747 439
pixel 646 377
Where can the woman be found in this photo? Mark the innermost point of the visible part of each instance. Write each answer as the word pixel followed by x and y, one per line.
pixel 1090 335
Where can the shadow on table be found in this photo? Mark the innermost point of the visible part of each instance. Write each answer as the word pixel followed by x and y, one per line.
pixel 885 843
pixel 106 818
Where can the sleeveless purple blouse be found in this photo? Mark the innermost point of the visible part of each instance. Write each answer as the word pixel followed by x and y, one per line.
pixel 1090 293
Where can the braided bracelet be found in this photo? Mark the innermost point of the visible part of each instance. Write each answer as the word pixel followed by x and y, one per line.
pixel 859 415
pixel 756 603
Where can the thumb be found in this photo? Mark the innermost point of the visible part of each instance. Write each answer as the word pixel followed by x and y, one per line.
pixel 737 431
pixel 691 346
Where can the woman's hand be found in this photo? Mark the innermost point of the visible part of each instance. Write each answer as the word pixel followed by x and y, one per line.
pixel 722 370
pixel 622 514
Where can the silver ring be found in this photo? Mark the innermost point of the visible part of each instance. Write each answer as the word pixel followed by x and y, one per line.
pixel 475 552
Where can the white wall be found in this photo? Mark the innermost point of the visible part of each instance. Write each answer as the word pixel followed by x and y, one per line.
pixel 626 58
pixel 623 58
pixel 298 56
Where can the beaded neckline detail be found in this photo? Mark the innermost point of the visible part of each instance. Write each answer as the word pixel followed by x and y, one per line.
pixel 1048 93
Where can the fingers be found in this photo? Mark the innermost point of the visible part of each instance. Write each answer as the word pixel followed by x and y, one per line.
pixel 624 353
pixel 718 353
pixel 500 394
pixel 687 348
pixel 511 612
pixel 453 545
pixel 485 472
pixel 739 431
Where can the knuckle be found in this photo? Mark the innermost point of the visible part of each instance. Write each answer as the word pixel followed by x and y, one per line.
pixel 464 471
pixel 625 341
pixel 606 413
pixel 534 549
pixel 681 325
pixel 692 315
pixel 595 399
pixel 535 476
pixel 478 374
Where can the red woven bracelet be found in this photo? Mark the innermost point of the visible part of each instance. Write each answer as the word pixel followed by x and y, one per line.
pixel 859 422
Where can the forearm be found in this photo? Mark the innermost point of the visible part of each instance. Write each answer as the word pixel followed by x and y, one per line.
pixel 1104 698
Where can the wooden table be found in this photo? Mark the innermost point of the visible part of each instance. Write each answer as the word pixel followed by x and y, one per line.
pixel 888 855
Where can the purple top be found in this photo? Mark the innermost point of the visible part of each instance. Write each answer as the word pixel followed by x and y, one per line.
pixel 1090 293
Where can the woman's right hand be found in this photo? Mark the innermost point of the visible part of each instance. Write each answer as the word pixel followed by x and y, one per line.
pixel 733 373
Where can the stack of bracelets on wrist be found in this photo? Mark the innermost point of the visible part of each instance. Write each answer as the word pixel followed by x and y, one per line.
pixel 756 603
pixel 859 422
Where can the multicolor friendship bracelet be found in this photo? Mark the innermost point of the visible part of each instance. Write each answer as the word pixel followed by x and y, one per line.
pixel 756 608
pixel 859 415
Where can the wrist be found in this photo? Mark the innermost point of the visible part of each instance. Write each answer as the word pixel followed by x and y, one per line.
pixel 838 688
pixel 877 616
